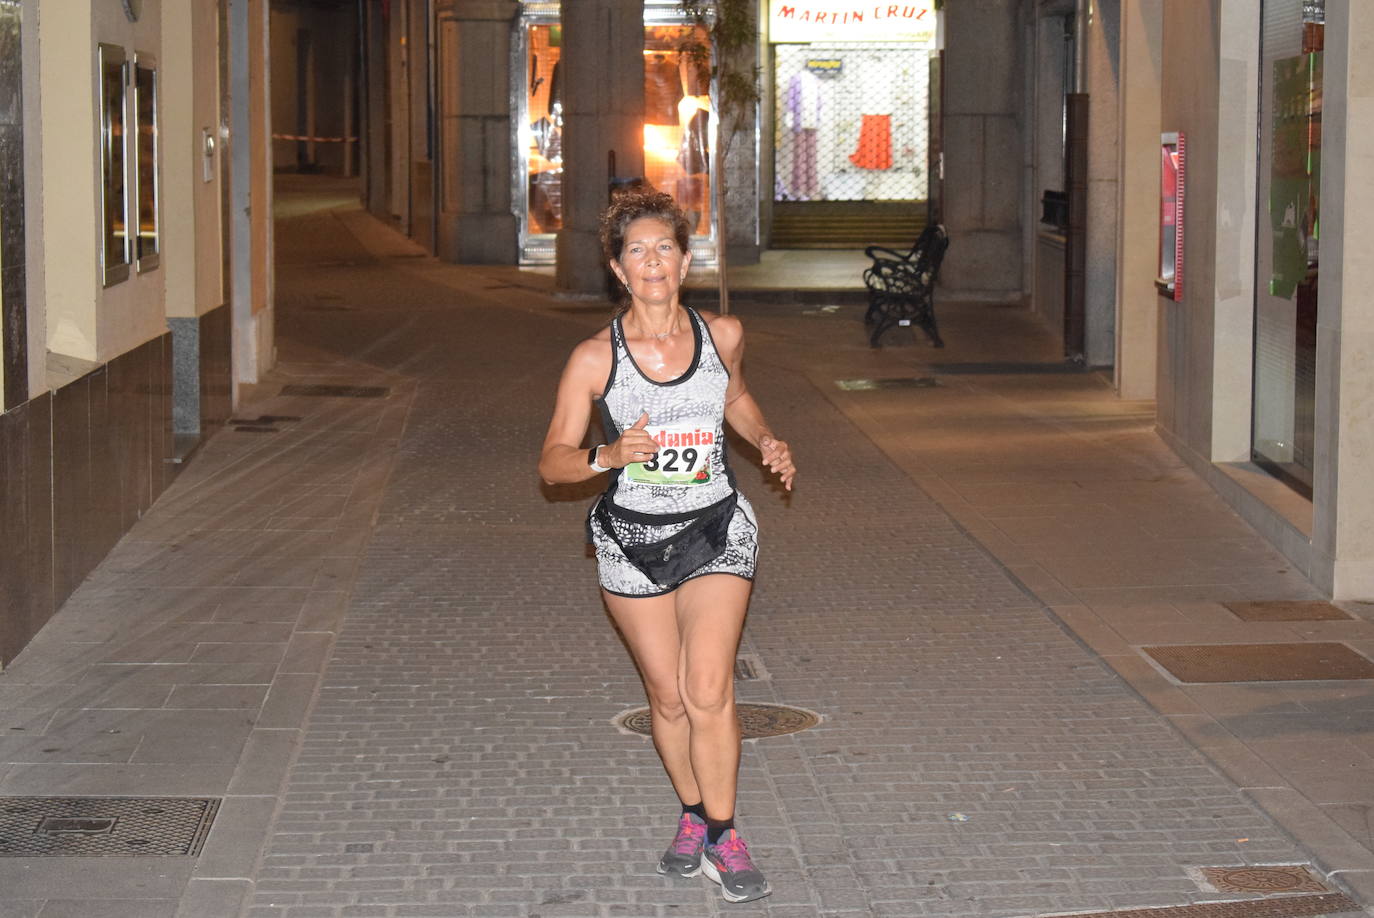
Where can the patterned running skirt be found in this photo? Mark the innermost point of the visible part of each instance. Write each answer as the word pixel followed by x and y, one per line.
pixel 620 577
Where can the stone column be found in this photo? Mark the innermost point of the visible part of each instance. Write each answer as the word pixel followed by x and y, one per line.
pixel 982 149
pixel 1343 496
pixel 1102 34
pixel 1137 237
pixel 603 114
pixel 476 223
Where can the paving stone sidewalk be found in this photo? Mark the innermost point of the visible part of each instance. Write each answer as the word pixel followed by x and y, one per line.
pixel 461 759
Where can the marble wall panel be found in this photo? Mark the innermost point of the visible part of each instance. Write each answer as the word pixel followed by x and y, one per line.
pixel 14 561
pixel 26 598
pixel 13 314
pixel 39 528
pixel 71 476
pixel 13 317
pixel 216 379
pixel 103 514
pixel 161 470
pixel 78 467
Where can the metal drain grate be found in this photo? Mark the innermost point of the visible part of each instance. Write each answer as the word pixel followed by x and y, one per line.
pixel 104 826
pixel 1280 907
pixel 1007 368
pixel 869 385
pixel 1309 611
pixel 755 720
pixel 1273 878
pixel 1317 661
pixel 324 391
pixel 749 668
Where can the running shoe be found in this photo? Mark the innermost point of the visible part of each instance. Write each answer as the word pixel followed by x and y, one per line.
pixel 727 863
pixel 683 857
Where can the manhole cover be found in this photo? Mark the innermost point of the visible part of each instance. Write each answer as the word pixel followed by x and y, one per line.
pixel 100 826
pixel 755 720
pixel 1309 611
pixel 324 391
pixel 868 385
pixel 1275 878
pixel 1281 907
pixel 1319 660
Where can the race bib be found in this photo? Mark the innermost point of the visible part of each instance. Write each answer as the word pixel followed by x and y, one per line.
pixel 683 460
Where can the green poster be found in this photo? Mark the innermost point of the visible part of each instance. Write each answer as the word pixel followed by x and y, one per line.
pixel 1294 177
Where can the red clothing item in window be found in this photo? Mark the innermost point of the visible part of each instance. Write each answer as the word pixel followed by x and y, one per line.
pixel 875 143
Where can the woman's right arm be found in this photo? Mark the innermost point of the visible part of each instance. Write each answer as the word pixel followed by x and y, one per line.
pixel 563 460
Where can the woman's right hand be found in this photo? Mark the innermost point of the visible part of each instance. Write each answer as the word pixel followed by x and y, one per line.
pixel 634 445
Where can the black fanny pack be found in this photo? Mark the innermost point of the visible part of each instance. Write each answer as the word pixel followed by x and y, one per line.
pixel 667 562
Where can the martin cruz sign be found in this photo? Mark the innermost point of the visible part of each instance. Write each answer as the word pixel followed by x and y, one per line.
pixel 851 20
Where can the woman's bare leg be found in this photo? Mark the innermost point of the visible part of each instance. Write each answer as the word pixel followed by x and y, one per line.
pixel 710 618
pixel 650 628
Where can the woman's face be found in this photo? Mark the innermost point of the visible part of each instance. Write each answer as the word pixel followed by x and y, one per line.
pixel 651 264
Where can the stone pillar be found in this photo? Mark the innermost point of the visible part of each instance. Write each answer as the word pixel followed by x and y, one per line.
pixel 476 223
pixel 1101 39
pixel 982 149
pixel 1343 496
pixel 603 114
pixel 1137 238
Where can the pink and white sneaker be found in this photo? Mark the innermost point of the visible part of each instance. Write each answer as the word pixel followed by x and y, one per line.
pixel 727 863
pixel 683 857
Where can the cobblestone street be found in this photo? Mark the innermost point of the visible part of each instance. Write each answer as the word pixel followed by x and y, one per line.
pixel 426 678
pixel 461 758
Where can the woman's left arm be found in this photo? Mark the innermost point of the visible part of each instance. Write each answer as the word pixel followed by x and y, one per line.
pixel 741 411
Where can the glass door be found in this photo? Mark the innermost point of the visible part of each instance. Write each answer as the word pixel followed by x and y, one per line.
pixel 1287 246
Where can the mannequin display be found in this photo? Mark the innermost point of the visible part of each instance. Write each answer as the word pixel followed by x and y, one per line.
pixel 803 113
pixel 874 149
pixel 694 157
pixel 662 90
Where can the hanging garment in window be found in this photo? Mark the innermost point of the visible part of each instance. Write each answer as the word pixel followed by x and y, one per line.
pixel 662 90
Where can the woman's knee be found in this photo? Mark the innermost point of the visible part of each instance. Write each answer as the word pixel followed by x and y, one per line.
pixel 667 702
pixel 708 693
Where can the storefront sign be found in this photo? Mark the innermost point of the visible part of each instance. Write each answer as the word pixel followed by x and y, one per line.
pixel 1172 180
pixel 850 20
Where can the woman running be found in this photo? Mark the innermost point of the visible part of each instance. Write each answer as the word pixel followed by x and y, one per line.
pixel 675 541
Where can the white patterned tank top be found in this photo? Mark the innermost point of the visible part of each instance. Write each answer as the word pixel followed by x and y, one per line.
pixel 686 419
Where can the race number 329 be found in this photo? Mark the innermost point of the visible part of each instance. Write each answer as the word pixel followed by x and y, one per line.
pixel 683 458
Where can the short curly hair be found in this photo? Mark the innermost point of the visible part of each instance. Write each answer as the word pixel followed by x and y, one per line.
pixel 633 204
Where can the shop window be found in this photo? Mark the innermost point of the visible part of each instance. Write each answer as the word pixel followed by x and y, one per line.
pixel 852 121
pixel 1287 247
pixel 678 126
pixel 115 246
pixel 677 123
pixel 146 243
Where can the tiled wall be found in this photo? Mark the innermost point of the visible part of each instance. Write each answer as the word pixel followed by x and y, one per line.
pixel 216 371
pixel 77 468
pixel 26 568
pixel 12 281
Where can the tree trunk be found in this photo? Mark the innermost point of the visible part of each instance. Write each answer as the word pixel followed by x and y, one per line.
pixel 721 223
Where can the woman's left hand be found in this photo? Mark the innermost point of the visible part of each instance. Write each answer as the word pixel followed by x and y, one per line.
pixel 777 455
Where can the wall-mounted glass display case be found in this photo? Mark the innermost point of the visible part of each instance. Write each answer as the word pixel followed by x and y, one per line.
pixel 112 86
pixel 146 165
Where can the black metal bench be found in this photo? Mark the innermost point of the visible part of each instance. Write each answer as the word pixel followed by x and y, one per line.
pixel 901 286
